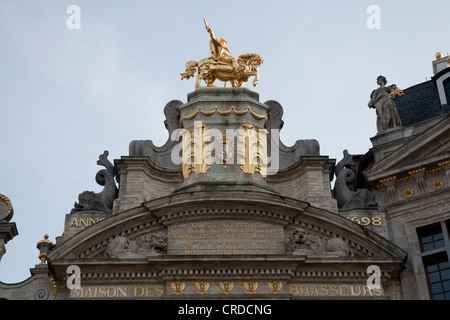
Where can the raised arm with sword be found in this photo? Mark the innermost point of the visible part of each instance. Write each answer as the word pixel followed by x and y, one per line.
pixel 219 50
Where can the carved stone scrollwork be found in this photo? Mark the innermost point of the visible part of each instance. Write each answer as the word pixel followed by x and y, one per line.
pixel 103 201
pixel 302 243
pixel 41 294
pixel 148 244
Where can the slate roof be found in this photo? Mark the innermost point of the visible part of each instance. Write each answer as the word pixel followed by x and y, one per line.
pixel 419 103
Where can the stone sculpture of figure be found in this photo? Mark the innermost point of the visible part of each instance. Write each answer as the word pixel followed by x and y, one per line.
pixel 383 99
pixel 302 243
pixel 103 201
pixel 148 244
pixel 152 244
pixel 346 198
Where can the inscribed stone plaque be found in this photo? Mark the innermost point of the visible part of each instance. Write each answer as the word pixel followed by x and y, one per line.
pixel 232 237
pixel 75 222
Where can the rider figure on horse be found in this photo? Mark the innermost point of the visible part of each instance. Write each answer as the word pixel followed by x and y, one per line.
pixel 219 50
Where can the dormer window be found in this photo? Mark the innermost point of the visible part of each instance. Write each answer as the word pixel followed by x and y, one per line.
pixel 446 84
pixel 441 78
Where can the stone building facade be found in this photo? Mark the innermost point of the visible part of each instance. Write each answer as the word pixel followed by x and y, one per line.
pixel 224 210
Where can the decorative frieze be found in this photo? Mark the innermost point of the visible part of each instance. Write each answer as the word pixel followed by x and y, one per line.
pixel 422 183
pixel 234 288
pixel 223 113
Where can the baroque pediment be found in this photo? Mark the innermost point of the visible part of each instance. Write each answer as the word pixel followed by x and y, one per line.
pixel 224 223
pixel 426 150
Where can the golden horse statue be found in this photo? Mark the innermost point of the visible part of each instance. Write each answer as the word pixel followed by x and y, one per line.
pixel 222 66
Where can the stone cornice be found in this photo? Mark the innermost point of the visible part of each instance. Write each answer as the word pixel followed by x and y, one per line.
pixel 8 230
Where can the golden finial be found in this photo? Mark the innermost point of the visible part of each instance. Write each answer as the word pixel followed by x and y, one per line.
pixel 438 55
pixel 44 246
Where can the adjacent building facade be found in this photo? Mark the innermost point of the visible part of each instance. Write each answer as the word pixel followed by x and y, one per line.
pixel 225 210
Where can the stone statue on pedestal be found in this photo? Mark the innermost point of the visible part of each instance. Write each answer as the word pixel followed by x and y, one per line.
pixel 383 100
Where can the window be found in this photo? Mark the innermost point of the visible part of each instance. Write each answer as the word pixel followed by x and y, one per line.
pixel 431 238
pixel 437 268
pixel 435 246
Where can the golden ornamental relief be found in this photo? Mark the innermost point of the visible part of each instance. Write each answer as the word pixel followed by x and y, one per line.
pixel 395 92
pixel 406 178
pixel 417 172
pixel 275 286
pixel 389 179
pixel 202 287
pixel 223 113
pixel 437 184
pixel 198 152
pixel 408 193
pixel 445 164
pixel 221 65
pixel 252 150
pixel 434 170
pixel 195 150
pixel 250 287
pixel 388 182
pixel 178 287
pixel 226 287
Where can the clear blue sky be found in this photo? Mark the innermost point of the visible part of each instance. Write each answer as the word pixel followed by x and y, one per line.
pixel 68 95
